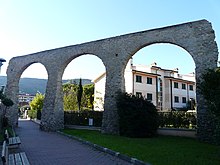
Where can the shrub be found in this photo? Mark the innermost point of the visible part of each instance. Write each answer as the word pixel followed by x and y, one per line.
pixel 32 114
pixel 7 102
pixel 177 119
pixel 210 89
pixel 39 114
pixel 4 122
pixel 82 117
pixel 137 116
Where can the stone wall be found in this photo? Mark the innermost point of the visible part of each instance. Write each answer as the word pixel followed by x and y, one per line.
pixel 197 38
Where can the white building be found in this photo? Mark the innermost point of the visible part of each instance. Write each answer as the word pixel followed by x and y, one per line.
pixel 167 89
pixel 25 99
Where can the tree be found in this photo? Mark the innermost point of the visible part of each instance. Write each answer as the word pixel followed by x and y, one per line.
pixel 69 96
pixel 37 104
pixel 7 103
pixel 210 88
pixel 89 95
pixel 79 94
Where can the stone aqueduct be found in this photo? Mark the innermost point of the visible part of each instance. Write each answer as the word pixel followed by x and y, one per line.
pixel 197 38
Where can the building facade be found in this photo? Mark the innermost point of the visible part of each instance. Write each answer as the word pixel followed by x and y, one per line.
pixel 25 99
pixel 165 88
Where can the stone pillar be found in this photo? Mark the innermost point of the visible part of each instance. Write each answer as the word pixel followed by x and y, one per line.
pixel 11 91
pixel 114 84
pixel 205 55
pixel 52 117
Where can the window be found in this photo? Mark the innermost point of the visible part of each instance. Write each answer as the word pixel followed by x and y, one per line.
pixel 191 87
pixel 183 99
pixel 176 99
pixel 149 96
pixel 175 84
pixel 149 80
pixel 138 79
pixel 138 94
pixel 183 86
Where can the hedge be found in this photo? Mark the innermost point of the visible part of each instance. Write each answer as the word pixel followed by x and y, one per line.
pixel 82 118
pixel 172 119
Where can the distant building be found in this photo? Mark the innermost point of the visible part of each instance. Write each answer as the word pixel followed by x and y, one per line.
pixel 25 99
pixel 165 88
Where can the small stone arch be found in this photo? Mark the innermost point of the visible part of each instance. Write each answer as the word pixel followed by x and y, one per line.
pixel 196 37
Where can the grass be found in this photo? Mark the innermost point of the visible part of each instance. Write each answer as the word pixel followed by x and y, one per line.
pixel 161 150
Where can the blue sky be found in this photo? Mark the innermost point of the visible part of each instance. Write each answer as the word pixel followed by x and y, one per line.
pixel 29 26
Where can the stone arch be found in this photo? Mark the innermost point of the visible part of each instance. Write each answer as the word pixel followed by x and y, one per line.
pixel 16 70
pixel 198 41
pixel 166 50
pixel 72 58
pixel 197 38
pixel 84 62
pixel 159 55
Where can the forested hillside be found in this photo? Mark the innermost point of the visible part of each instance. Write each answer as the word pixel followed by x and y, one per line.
pixel 34 85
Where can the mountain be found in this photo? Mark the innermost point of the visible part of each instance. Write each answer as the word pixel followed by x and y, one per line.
pixel 34 85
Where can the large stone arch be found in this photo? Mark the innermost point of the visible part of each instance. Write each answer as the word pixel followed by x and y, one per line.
pixel 12 88
pixel 197 38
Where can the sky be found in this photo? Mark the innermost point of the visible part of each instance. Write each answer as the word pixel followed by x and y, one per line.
pixel 29 26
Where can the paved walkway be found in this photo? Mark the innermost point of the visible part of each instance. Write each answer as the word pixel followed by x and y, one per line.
pixel 50 148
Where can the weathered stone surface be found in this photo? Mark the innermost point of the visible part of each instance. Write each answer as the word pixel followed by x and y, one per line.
pixel 197 38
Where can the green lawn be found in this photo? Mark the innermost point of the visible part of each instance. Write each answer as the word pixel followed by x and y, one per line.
pixel 161 150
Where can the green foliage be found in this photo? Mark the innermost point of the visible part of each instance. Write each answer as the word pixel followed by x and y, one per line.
pixel 70 93
pixel 32 114
pixel 36 106
pixel 210 88
pixel 89 95
pixel 5 100
pixel 177 119
pixel 82 118
pixel 7 103
pixel 79 94
pixel 137 116
pixel 69 96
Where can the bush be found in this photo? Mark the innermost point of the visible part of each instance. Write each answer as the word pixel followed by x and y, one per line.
pixel 137 116
pixel 177 119
pixel 32 114
pixel 210 89
pixel 39 114
pixel 5 122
